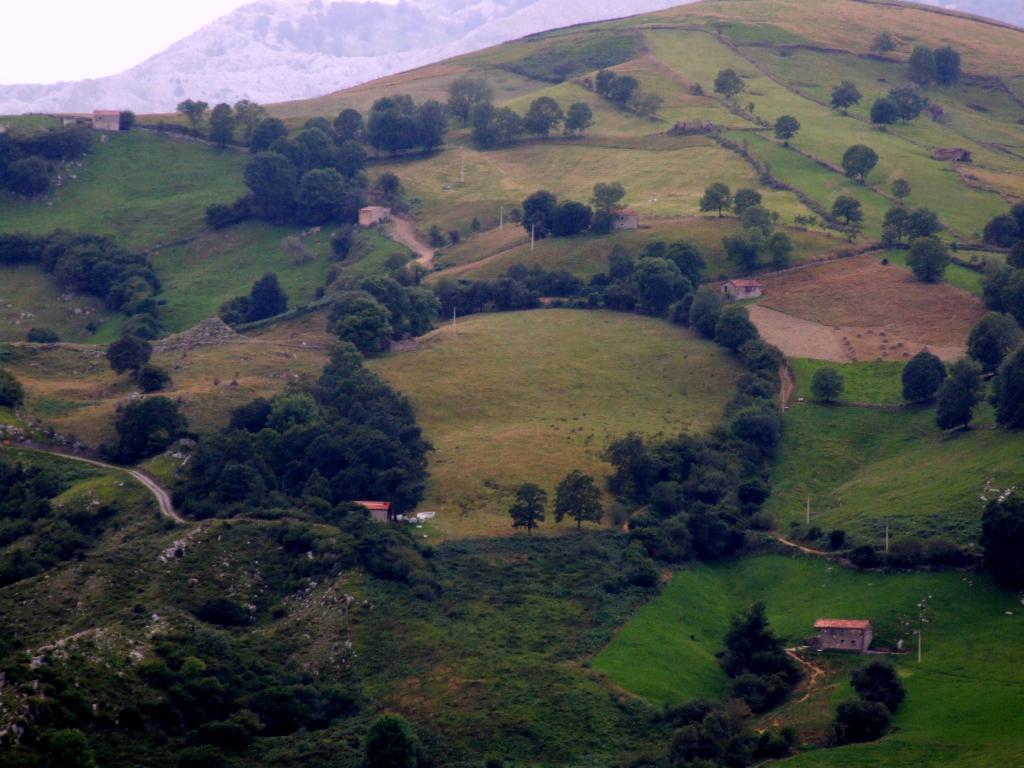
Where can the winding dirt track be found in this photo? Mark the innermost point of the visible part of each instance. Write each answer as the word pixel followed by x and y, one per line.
pixel 402 230
pixel 163 498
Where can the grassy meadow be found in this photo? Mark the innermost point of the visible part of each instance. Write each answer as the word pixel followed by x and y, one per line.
pixel 145 189
pixel 963 704
pixel 529 396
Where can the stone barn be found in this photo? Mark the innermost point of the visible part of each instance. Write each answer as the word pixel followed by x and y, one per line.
pixel 953 154
pixel 735 290
pixel 379 510
pixel 843 635
pixel 627 220
pixel 373 215
pixel 106 120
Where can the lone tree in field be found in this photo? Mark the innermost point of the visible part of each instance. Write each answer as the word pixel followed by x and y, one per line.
pixel 129 353
pixel 717 197
pixel 464 93
pixel 1008 391
pixel 922 376
pixel 848 209
pixel 845 95
pixel 879 681
pixel 901 189
pixel 543 116
pixel 884 112
pixel 786 127
pixel 858 161
pixel 578 119
pixel 11 393
pixel 883 43
pixel 607 197
pixel 728 83
pixel 959 395
pixel 527 511
pixel 745 198
pixel 947 65
pixel 267 298
pixel 992 339
pixel 928 259
pixel 193 111
pixel 579 498
pixel 922 65
pixel 826 385
pixel 222 125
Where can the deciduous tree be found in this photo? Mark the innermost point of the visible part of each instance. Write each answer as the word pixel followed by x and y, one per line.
pixel 728 83
pixel 827 385
pixel 858 161
pixel 928 259
pixel 959 395
pixel 845 95
pixel 579 498
pixel 922 376
pixel 786 127
pixel 527 511
pixel 717 197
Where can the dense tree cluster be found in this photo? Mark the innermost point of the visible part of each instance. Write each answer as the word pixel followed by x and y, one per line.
pixel 373 311
pixel 35 534
pixel 1002 537
pixel 902 223
pixel 866 718
pixel 28 162
pixel 762 674
pixel 145 428
pixel 93 264
pixel 709 735
pixel 626 93
pixel 927 66
pixel 901 105
pixel 347 437
pixel 501 126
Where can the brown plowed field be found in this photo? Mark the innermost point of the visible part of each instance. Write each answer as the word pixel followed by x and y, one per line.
pixel 858 309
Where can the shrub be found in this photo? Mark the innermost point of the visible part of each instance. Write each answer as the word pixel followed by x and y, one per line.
pixel 864 556
pixel 1002 539
pixel 836 539
pixel 152 378
pixel 42 336
pixel 11 392
pixel 390 743
pixel 859 721
pixel 223 612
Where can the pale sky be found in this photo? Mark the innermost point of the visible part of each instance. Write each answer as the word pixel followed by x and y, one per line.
pixel 43 41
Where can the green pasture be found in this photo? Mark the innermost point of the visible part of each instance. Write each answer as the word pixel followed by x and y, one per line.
pixel 964 700
pixel 529 396
pixel 826 136
pixel 26 290
pixel 866 469
pixel 876 382
pixel 145 189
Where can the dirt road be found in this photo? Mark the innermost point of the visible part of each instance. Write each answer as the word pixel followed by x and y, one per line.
pixel 163 498
pixel 403 231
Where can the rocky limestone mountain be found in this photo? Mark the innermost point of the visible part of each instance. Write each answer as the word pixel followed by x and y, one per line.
pixel 278 50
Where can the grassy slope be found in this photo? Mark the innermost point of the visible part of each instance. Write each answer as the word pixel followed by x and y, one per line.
pixel 972 654
pixel 145 189
pixel 586 255
pixel 529 396
pixel 865 469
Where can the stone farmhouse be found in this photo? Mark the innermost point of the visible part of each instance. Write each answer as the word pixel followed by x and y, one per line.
pixel 373 215
pixel 627 219
pixel 843 635
pixel 737 289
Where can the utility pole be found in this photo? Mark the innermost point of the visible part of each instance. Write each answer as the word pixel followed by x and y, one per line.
pixel 808 509
pixel 533 229
pixel 501 219
pixel 455 329
pixel 462 168
pixel 887 543
pixel 919 633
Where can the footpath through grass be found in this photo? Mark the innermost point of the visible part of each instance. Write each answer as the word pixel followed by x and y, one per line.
pixel 965 700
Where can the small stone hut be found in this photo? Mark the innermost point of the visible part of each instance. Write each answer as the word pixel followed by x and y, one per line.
pixel 627 219
pixel 372 215
pixel 735 290
pixel 843 635
pixel 106 120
